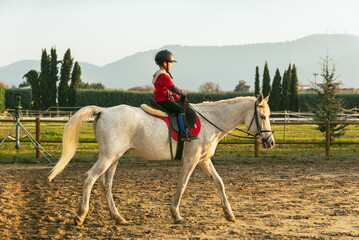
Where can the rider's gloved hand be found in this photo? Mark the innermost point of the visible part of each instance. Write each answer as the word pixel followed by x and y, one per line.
pixel 184 99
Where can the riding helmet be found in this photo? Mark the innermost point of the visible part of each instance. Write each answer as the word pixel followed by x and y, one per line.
pixel 164 56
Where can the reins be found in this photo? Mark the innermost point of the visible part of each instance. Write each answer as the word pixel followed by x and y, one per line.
pixel 249 135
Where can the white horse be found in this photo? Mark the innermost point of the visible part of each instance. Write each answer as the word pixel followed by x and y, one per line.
pixel 123 128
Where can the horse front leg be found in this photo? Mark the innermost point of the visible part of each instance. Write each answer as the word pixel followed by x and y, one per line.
pixel 107 183
pixel 187 169
pixel 208 168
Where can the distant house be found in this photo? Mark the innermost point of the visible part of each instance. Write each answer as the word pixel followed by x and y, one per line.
pixel 27 87
pixel 339 85
pixel 308 88
pixel 304 88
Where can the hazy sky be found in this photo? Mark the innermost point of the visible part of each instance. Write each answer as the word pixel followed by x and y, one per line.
pixel 101 32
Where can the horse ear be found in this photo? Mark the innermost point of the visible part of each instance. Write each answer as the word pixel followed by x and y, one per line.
pixel 260 98
pixel 267 98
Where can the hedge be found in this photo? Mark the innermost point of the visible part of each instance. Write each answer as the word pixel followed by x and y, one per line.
pixel 107 98
pixel 310 100
pixel 113 98
pixel 11 101
pixel 2 100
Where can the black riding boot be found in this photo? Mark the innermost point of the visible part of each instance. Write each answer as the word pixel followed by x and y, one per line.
pixel 185 134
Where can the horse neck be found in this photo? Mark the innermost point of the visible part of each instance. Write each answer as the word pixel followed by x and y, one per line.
pixel 227 114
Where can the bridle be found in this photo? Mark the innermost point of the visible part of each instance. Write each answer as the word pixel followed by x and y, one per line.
pixel 259 128
pixel 255 119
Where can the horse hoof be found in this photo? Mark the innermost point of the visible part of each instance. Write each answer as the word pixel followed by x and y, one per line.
pixel 178 221
pixel 77 221
pixel 122 222
pixel 231 218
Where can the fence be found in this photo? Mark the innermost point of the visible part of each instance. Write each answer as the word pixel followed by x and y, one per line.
pixel 326 142
pixel 50 112
pixel 349 114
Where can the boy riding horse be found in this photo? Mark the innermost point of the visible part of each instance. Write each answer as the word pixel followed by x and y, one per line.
pixel 166 93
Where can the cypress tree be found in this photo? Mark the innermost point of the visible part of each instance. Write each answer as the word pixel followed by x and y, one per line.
pixel 266 81
pixel 32 77
pixel 64 79
pixel 286 88
pixel 285 92
pixel 44 81
pixel 275 96
pixel 293 96
pixel 53 78
pixel 256 83
pixel 75 81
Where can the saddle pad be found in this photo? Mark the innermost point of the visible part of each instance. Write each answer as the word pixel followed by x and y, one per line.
pixel 194 130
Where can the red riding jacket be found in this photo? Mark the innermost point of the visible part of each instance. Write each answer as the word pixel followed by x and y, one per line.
pixel 164 87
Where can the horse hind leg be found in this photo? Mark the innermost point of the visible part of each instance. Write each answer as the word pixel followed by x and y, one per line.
pixel 102 164
pixel 107 183
pixel 208 168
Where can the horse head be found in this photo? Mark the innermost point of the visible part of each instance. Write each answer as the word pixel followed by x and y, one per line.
pixel 257 122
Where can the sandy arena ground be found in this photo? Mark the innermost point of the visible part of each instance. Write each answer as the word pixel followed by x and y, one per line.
pixel 280 200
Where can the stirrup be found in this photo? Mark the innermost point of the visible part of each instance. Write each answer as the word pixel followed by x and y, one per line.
pixel 188 137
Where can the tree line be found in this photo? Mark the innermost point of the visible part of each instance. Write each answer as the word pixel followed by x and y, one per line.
pixel 283 91
pixel 45 92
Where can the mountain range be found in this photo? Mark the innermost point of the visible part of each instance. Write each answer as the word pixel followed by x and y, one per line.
pixel 225 65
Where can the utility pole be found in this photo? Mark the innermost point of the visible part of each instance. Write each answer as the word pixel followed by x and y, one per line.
pixel 315 78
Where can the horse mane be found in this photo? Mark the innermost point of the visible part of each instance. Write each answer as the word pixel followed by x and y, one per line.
pixel 228 101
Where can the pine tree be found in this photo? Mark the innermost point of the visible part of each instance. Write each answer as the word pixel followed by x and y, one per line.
pixel 33 78
pixel 44 81
pixel 330 105
pixel 293 94
pixel 64 79
pixel 275 96
pixel 75 81
pixel 257 83
pixel 53 78
pixel 266 81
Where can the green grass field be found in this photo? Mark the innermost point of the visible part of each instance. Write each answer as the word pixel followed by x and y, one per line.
pixel 88 151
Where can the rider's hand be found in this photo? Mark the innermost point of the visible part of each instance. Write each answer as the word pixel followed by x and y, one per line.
pixel 184 99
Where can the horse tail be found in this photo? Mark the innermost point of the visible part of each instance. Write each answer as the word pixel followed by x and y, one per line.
pixel 70 138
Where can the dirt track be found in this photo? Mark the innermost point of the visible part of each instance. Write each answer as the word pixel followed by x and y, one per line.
pixel 281 200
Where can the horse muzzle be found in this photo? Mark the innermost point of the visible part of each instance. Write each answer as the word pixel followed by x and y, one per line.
pixel 268 143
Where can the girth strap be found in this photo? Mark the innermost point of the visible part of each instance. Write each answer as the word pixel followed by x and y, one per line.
pixel 180 143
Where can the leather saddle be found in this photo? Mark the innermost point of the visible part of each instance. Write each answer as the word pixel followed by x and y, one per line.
pixel 171 119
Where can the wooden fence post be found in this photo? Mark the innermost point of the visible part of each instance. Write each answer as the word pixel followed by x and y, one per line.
pixel 256 148
pixel 285 120
pixel 327 138
pixel 38 136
